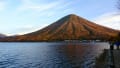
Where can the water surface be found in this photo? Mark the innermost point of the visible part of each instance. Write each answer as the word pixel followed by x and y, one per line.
pixel 50 55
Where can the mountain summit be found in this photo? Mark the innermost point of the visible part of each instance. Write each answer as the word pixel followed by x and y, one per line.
pixel 70 27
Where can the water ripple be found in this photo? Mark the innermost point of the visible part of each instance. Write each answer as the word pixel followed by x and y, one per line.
pixel 48 55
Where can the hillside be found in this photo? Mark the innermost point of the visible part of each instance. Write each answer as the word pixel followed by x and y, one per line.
pixel 70 27
pixel 2 35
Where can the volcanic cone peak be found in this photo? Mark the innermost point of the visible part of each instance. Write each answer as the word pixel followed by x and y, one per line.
pixel 72 16
pixel 70 27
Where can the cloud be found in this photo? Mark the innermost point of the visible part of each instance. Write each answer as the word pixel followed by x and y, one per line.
pixel 34 9
pixel 29 5
pixel 111 20
pixel 40 8
pixel 32 12
pixel 28 29
pixel 2 5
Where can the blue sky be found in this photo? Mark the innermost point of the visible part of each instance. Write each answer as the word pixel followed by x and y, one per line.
pixel 24 16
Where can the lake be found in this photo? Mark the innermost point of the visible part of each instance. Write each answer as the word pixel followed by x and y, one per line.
pixel 50 54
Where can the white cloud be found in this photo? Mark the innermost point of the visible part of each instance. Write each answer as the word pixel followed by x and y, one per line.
pixel 111 20
pixel 29 5
pixel 20 30
pixel 26 29
pixel 29 29
pixel 2 5
pixel 40 8
pixel 33 10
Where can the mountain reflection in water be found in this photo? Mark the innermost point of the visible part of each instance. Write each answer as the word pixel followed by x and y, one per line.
pixel 49 55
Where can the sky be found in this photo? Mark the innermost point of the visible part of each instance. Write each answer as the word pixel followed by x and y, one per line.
pixel 25 16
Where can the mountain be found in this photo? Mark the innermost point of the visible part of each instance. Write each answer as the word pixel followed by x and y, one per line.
pixel 70 27
pixel 2 35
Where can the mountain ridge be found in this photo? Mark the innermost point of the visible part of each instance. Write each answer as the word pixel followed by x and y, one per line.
pixel 70 27
pixel 2 35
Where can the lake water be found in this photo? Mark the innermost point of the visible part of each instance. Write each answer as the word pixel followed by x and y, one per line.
pixel 50 55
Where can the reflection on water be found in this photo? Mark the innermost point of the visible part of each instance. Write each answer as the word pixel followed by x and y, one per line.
pixel 49 55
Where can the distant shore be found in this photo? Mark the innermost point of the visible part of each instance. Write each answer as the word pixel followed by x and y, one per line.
pixel 54 41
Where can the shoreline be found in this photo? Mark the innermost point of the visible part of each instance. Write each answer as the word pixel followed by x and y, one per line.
pixel 104 60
